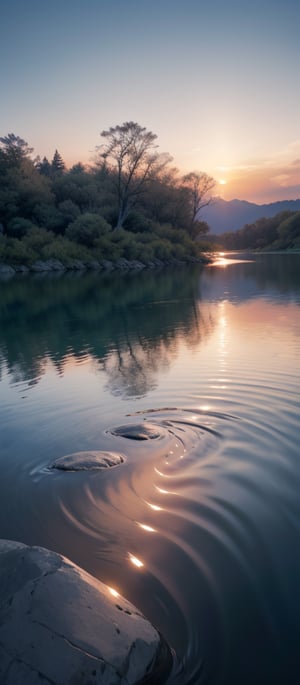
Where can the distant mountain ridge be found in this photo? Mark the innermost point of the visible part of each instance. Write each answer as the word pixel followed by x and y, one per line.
pixel 224 215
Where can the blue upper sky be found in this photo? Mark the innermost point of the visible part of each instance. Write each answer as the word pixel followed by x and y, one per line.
pixel 217 81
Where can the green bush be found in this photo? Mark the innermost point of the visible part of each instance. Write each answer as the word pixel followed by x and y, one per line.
pixel 3 241
pixel 16 252
pixel 289 231
pixel 65 250
pixel 87 229
pixel 162 249
pixel 106 248
pixel 37 238
pixel 137 222
pixel 69 211
pixel 49 217
pixel 18 227
pixel 144 238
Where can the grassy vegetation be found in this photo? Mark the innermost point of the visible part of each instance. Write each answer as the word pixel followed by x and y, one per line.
pixel 41 244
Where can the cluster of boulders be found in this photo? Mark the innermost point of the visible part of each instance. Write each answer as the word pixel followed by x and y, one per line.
pixel 121 264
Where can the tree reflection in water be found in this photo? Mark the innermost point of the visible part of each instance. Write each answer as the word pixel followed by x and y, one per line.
pixel 130 325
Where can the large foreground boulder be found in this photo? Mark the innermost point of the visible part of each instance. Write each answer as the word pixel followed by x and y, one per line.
pixel 61 626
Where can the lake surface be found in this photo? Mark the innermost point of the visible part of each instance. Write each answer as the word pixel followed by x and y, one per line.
pixel 200 527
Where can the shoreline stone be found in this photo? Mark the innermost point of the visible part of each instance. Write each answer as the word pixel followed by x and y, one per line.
pixel 61 626
pixel 6 270
pixel 121 265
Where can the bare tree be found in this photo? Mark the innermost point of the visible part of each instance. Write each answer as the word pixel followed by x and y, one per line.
pixel 199 186
pixel 130 153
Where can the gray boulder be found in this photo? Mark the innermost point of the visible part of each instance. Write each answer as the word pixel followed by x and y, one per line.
pixel 139 431
pixel 87 461
pixel 76 264
pixel 48 265
pixel 107 265
pixel 40 265
pixel 6 270
pixel 136 264
pixel 122 264
pixel 61 626
pixel 94 264
pixel 21 268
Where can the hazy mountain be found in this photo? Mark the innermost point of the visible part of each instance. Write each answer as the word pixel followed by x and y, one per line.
pixel 231 215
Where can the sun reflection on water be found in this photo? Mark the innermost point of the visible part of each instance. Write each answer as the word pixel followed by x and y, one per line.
pixel 160 473
pixel 154 507
pixel 113 592
pixel 220 259
pixel 135 561
pixel 163 491
pixel 147 528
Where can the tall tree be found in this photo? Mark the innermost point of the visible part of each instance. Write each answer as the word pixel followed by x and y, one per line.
pixel 57 164
pixel 130 153
pixel 22 187
pixel 44 166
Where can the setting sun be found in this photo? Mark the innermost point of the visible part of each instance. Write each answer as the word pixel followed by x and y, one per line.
pixel 222 182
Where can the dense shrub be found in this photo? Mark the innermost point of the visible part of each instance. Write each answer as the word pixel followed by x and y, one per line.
pixel 87 228
pixel 37 238
pixel 18 227
pixel 289 231
pixel 137 222
pixel 106 248
pixel 50 217
pixel 69 211
pixel 16 252
pixel 65 250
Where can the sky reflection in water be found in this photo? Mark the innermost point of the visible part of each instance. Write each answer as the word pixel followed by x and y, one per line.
pixel 200 526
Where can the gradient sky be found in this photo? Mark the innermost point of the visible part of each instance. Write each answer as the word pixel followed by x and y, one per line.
pixel 216 80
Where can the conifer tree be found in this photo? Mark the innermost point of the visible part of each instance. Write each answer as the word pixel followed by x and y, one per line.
pixel 57 164
pixel 44 167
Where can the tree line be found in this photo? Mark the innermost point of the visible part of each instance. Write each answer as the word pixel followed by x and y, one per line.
pixel 130 202
pixel 280 232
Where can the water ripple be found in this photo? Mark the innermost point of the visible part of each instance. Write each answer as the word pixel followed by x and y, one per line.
pixel 185 529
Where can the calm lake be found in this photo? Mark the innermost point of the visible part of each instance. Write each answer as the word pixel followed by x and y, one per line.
pixel 200 527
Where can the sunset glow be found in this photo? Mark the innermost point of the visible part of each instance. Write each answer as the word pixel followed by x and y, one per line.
pixel 236 122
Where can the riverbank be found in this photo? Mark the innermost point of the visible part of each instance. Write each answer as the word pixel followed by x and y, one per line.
pixel 52 265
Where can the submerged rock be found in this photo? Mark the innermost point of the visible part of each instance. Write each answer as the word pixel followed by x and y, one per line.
pixel 59 625
pixel 139 431
pixel 87 461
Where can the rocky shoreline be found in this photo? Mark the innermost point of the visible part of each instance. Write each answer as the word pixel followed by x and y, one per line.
pixel 55 265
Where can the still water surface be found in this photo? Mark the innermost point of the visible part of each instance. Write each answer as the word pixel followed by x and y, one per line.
pixel 200 527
